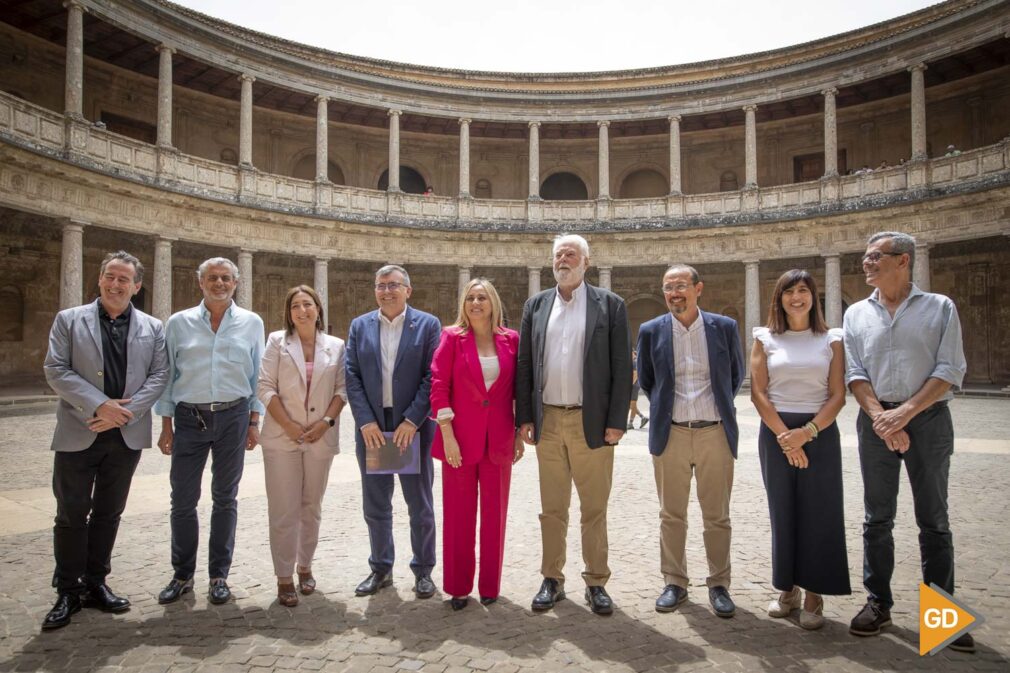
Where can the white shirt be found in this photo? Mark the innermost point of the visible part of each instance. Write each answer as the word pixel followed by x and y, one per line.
pixel 563 348
pixel 693 399
pixel 798 366
pixel 390 332
pixel 490 368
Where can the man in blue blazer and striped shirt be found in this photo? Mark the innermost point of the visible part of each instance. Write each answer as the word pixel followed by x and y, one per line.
pixel 690 367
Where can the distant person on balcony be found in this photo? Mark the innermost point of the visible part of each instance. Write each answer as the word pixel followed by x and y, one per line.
pixel 209 409
pixel 573 388
pixel 883 165
pixel 107 364
pixel 428 191
pixel 690 366
pixel 952 151
pixel 903 353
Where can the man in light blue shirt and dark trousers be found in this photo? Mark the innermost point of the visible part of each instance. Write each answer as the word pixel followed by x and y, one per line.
pixel 214 353
pixel 903 354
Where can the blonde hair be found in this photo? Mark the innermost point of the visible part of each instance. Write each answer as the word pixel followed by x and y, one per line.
pixel 462 323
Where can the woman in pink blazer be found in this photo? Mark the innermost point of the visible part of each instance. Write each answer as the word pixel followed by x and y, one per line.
pixel 301 384
pixel 472 377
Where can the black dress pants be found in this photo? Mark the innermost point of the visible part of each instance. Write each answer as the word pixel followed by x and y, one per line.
pixel 91 487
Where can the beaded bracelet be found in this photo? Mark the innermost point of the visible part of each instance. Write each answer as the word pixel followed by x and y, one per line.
pixel 812 428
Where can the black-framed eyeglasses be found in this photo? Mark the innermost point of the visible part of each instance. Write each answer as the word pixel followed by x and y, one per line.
pixel 877 255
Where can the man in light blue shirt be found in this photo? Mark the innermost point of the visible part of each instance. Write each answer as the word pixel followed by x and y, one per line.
pixel 903 354
pixel 214 353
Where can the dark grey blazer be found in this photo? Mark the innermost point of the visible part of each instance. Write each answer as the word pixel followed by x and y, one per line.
pixel 606 377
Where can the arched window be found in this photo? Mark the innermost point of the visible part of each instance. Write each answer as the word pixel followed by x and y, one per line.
pixel 228 156
pixel 482 190
pixel 564 187
pixel 411 182
pixel 12 314
pixel 305 169
pixel 645 183
pixel 728 182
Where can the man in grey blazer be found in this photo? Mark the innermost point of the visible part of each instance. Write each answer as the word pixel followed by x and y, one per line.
pixel 573 387
pixel 107 363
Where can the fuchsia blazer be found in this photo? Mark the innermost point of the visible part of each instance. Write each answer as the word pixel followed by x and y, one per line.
pixel 457 382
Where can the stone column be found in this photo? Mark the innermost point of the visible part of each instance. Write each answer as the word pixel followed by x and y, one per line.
pixel 675 186
pixel 534 280
pixel 752 303
pixel 321 282
pixel 73 96
pixel 464 158
pixel 245 121
pixel 394 151
pixel 322 140
pixel 605 277
pixel 830 133
pixel 603 160
pixel 162 281
pixel 464 278
pixel 244 294
pixel 72 265
pixel 833 289
pixel 534 161
pixel 750 147
pixel 918 111
pixel 920 272
pixel 164 95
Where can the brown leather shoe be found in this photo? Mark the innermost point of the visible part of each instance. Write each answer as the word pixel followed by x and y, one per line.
pixel 306 583
pixel 286 595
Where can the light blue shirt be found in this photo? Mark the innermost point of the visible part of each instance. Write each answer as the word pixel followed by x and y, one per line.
pixel 204 366
pixel 897 355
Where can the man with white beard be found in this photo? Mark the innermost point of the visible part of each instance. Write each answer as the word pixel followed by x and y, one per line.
pixel 573 387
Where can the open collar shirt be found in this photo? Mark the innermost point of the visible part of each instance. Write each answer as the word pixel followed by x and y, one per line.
pixel 390 333
pixel 564 346
pixel 693 399
pixel 207 366
pixel 897 355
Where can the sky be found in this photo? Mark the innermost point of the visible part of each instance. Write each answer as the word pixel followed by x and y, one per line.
pixel 553 35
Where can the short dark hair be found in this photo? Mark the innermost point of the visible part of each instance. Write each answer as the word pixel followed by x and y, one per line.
pixel 125 258
pixel 777 321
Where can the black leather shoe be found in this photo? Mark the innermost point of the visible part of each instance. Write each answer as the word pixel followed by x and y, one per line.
pixel 373 583
pixel 671 597
pixel 458 603
pixel 549 594
pixel 174 590
pixel 100 596
pixel 218 592
pixel 721 602
pixel 599 601
pixel 965 643
pixel 67 603
pixel 424 587
pixel 488 600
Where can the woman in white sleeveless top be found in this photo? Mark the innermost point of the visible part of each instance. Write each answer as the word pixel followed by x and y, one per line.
pixel 798 387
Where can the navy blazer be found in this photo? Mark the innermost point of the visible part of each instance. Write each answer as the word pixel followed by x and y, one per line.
pixel 411 373
pixel 655 374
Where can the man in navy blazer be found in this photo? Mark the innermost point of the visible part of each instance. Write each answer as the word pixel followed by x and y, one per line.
pixel 388 366
pixel 690 367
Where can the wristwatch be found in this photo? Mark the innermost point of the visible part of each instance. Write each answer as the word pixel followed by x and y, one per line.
pixel 329 420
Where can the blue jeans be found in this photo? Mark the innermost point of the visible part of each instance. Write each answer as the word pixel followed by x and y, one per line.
pixel 928 465
pixel 221 435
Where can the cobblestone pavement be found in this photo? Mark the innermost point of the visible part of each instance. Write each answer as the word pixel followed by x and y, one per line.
pixel 335 631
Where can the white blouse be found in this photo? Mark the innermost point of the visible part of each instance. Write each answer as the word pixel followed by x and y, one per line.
pixel 490 368
pixel 798 365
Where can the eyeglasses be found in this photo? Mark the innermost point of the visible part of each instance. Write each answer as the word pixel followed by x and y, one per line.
pixel 392 287
pixel 877 255
pixel 679 287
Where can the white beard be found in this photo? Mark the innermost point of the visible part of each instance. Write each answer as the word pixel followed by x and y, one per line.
pixel 570 276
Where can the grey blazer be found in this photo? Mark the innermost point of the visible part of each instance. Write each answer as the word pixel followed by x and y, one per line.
pixel 606 373
pixel 74 368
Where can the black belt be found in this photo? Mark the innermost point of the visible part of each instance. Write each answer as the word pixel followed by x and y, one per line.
pixel 213 406
pixel 564 407
pixel 696 424
pixel 895 405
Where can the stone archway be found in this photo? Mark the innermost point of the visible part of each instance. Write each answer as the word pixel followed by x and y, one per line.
pixel 305 169
pixel 411 182
pixel 564 186
pixel 644 183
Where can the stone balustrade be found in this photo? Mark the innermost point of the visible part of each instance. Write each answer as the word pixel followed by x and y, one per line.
pixel 39 129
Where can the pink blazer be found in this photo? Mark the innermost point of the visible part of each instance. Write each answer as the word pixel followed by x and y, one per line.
pixel 483 418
